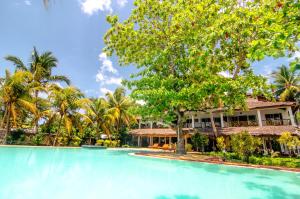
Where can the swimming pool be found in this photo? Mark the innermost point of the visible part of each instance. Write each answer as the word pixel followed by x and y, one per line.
pixel 61 173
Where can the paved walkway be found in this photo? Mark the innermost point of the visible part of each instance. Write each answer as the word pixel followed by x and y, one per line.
pixel 196 157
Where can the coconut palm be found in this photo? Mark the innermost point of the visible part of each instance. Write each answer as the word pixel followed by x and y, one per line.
pixel 15 97
pixel 97 114
pixel 119 108
pixel 66 103
pixel 40 66
pixel 287 83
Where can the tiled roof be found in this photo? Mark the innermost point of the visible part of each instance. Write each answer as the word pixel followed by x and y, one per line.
pixel 157 132
pixel 257 104
pixel 256 130
pixel 265 104
pixel 253 130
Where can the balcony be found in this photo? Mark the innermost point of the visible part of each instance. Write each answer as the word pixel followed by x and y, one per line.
pixel 277 122
pixel 249 123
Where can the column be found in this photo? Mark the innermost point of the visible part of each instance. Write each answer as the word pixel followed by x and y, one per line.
pixel 139 141
pixel 170 140
pixel 185 140
pixel 151 125
pixel 193 121
pixel 290 112
pixel 151 141
pixel 222 120
pixel 140 123
pixel 259 118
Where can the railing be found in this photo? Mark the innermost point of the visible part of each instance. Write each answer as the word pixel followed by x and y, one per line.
pixel 207 125
pixel 280 122
pixel 241 123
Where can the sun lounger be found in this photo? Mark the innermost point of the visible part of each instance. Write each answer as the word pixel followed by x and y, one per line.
pixel 154 146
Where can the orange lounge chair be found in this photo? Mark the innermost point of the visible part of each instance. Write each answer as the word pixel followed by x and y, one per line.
pixel 165 147
pixel 154 146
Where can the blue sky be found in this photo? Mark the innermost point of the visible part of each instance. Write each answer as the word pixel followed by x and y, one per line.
pixel 73 30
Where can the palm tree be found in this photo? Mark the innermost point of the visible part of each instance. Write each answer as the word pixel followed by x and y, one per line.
pixel 97 114
pixel 119 108
pixel 286 82
pixel 40 66
pixel 15 97
pixel 66 104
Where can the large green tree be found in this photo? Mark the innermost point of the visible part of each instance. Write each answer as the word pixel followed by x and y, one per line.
pixel 182 48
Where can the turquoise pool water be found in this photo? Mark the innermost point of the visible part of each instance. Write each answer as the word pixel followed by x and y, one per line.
pixel 42 173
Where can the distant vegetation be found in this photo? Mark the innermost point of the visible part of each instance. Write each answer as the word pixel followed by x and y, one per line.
pixel 31 99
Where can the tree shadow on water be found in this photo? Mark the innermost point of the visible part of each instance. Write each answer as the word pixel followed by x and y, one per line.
pixel 177 197
pixel 272 192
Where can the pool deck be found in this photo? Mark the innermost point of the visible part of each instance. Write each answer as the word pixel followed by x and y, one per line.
pixel 196 157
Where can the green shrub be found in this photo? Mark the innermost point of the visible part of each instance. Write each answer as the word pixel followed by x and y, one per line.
pixel 37 139
pixel 221 143
pixel 188 147
pixel 199 141
pixel 114 143
pixel 244 144
pixel 107 143
pixel 16 137
pixel 76 141
pixel 100 142
pixel 125 146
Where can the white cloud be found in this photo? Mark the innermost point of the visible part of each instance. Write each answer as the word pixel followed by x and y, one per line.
pixel 99 76
pixel 106 64
pixel 93 6
pixel 27 2
pixel 296 55
pixel 267 70
pixel 122 3
pixel 105 90
pixel 113 80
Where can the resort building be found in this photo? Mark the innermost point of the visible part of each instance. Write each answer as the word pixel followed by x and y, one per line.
pixel 263 118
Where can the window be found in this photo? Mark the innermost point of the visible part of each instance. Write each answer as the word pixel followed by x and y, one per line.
pixel 252 118
pixel 275 116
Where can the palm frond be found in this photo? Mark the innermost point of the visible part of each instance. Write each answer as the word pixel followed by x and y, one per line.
pixel 17 62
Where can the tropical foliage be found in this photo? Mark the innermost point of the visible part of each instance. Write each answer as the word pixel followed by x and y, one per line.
pixel 31 98
pixel 287 83
pixel 183 49
pixel 244 144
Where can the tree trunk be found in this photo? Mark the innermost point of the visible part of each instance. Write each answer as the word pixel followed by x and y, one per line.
pixel 180 135
pixel 58 131
pixel 213 125
pixel 36 127
pixel 4 117
pixel 7 127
